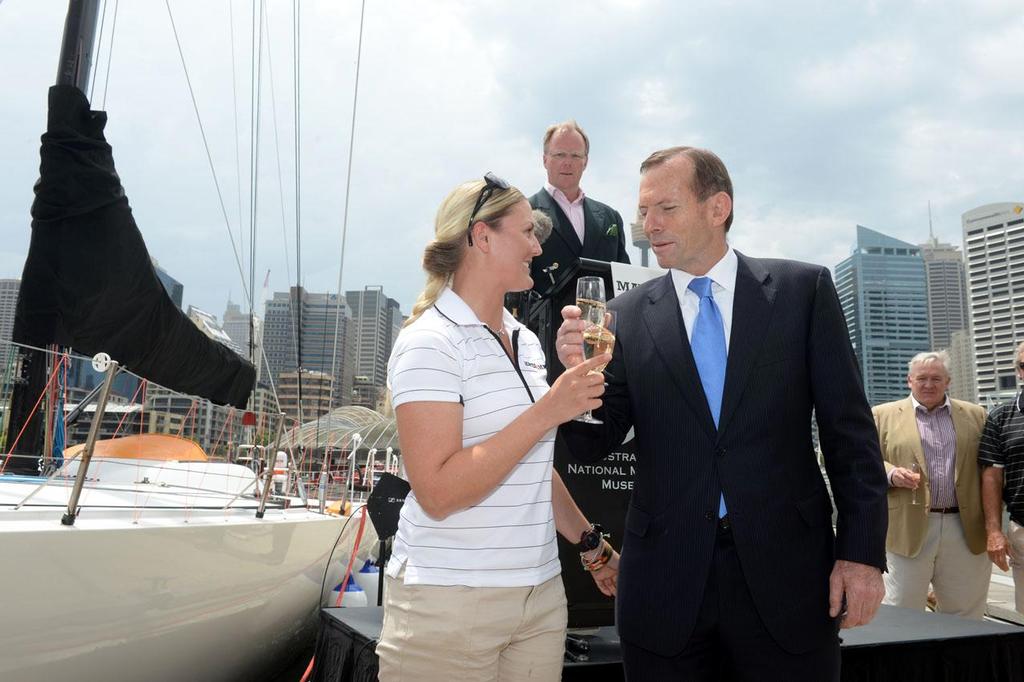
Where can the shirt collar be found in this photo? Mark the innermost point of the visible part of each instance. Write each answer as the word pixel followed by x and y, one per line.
pixel 451 306
pixel 919 406
pixel 722 273
pixel 559 194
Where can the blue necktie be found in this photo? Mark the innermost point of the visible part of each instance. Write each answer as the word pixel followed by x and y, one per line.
pixel 707 340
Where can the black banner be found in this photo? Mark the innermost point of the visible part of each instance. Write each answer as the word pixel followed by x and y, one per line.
pixel 601 490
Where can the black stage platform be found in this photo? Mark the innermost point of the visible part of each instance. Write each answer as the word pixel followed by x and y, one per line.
pixel 899 645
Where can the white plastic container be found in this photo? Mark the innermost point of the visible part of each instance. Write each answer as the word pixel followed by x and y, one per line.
pixel 354 595
pixel 368 578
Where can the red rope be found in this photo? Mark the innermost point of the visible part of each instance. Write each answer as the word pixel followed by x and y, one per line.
pixel 344 582
pixel 181 429
pixel 216 443
pixel 31 414
pixel 125 415
pixel 352 557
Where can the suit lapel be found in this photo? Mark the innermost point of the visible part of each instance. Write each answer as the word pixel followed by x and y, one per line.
pixel 591 227
pixel 562 227
pixel 664 322
pixel 960 428
pixel 751 312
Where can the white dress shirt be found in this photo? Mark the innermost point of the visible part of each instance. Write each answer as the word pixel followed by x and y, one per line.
pixel 723 288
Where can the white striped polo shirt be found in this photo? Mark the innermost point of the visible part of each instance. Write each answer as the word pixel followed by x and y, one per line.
pixel 508 538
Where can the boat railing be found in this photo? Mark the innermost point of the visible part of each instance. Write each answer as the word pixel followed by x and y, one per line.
pixel 331 458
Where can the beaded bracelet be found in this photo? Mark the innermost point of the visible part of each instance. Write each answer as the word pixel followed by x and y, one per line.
pixel 599 562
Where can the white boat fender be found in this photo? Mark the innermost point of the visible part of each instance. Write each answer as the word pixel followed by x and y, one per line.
pixel 354 595
pixel 281 471
pixel 368 578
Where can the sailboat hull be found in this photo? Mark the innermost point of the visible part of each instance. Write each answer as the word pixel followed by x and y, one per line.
pixel 171 595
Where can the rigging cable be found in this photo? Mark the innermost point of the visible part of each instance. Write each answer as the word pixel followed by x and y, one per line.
pixel 209 157
pixel 110 52
pixel 277 154
pixel 254 161
pixel 298 201
pixel 280 185
pixel 348 187
pixel 234 106
pixel 99 42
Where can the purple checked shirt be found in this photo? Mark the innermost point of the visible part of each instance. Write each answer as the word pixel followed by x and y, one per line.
pixel 938 439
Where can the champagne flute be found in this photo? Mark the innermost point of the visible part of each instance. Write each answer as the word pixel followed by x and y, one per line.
pixel 591 302
pixel 915 468
pixel 590 299
pixel 598 339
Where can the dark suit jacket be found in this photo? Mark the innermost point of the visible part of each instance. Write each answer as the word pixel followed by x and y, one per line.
pixel 563 246
pixel 789 352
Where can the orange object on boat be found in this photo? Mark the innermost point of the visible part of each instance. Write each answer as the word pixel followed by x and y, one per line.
pixel 155 446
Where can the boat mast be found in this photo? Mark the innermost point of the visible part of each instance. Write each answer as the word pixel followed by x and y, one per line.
pixel 75 68
pixel 79 44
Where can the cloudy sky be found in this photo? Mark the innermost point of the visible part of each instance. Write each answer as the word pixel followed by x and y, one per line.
pixel 827 114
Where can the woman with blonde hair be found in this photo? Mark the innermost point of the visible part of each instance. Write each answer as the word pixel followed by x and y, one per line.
pixel 474 587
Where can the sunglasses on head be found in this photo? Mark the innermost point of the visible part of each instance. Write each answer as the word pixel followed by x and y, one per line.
pixel 491 182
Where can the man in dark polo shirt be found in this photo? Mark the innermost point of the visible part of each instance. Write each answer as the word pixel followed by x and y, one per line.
pixel 1001 456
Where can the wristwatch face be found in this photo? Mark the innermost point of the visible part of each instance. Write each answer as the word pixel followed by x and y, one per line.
pixel 591 539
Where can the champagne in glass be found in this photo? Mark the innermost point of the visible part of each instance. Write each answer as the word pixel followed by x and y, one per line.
pixel 598 339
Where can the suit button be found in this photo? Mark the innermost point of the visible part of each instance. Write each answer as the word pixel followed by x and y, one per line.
pixel 720 452
pixel 709 516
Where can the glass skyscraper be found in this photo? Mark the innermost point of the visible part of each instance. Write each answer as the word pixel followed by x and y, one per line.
pixel 884 294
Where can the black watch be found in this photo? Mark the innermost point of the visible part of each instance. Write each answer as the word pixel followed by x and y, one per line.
pixel 591 538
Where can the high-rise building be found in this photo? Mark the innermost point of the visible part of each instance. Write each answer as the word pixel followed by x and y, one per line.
pixel 964 384
pixel 994 248
pixel 210 326
pixel 175 289
pixel 883 292
pixel 376 320
pixel 947 292
pixel 322 349
pixel 316 395
pixel 8 301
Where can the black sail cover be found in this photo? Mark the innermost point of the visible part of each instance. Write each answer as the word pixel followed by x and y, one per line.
pixel 88 281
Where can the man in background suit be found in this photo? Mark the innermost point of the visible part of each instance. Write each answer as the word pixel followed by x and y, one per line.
pixel 583 227
pixel 729 568
pixel 936 530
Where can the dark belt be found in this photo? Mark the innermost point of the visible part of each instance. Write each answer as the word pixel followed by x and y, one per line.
pixel 724 525
pixel 945 510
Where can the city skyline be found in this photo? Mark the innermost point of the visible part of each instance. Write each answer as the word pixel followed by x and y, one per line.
pixel 851 124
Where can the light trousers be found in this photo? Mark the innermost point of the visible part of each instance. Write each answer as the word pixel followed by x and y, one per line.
pixel 472 634
pixel 1016 542
pixel 960 578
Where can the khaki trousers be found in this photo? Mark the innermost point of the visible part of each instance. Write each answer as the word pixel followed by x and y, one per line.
pixel 472 634
pixel 959 577
pixel 1016 542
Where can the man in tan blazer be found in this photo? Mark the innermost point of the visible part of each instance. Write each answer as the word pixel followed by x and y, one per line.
pixel 936 523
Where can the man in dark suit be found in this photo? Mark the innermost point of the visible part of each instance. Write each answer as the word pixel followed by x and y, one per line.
pixel 582 227
pixel 729 568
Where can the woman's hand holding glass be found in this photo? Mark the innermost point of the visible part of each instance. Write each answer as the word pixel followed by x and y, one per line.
pixel 578 389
